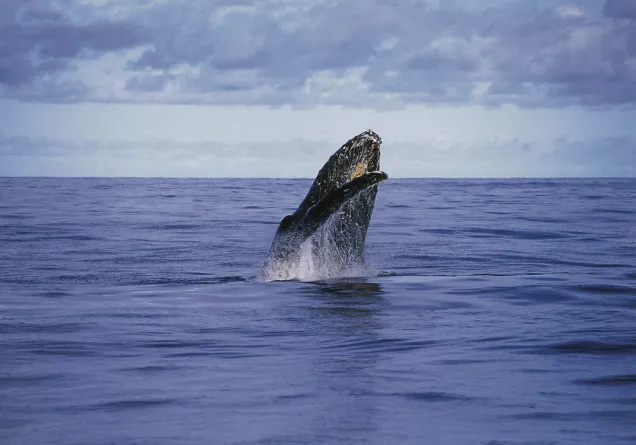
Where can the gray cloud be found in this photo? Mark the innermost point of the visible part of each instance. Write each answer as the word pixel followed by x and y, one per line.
pixel 314 51
pixel 39 41
pixel 620 9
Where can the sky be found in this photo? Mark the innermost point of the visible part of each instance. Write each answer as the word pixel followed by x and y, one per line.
pixel 271 88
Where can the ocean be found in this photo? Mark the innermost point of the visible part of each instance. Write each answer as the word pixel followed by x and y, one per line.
pixel 493 312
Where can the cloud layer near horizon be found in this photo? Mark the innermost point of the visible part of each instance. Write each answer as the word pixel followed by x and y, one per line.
pixel 376 53
pixel 490 157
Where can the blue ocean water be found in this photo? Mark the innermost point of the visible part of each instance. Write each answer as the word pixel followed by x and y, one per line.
pixel 497 312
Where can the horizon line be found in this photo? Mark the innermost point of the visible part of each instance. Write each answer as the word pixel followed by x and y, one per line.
pixel 312 177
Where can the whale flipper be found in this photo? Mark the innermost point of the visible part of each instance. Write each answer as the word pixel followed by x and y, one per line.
pixel 320 212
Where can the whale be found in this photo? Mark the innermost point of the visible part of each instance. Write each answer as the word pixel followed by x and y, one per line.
pixel 330 225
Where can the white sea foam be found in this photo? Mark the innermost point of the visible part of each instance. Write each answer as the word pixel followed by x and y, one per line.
pixel 328 261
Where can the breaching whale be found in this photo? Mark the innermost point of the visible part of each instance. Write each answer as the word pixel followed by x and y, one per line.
pixel 334 216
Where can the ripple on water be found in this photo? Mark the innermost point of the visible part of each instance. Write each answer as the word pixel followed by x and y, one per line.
pixel 64 349
pixel 384 345
pixel 432 396
pixel 606 289
pixel 152 369
pixel 54 293
pixel 586 347
pixel 520 234
pixel 123 405
pixel 30 380
pixel 614 380
pixel 43 328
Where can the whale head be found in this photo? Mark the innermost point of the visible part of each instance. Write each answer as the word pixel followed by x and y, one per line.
pixel 359 155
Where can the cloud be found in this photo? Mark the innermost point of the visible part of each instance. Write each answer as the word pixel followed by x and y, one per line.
pixel 373 54
pixel 515 157
pixel 23 155
pixel 620 9
pixel 501 156
pixel 39 42
pixel 608 156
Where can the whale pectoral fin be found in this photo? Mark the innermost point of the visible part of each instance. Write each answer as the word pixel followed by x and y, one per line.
pixel 286 222
pixel 327 206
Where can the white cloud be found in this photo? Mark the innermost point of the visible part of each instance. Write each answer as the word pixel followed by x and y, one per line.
pixel 443 156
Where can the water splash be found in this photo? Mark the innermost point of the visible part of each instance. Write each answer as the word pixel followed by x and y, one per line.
pixel 327 262
pixel 322 256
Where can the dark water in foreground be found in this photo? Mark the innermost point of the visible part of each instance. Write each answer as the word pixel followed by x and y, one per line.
pixel 504 312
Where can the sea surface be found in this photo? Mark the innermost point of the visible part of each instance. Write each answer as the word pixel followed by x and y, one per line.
pixel 494 312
